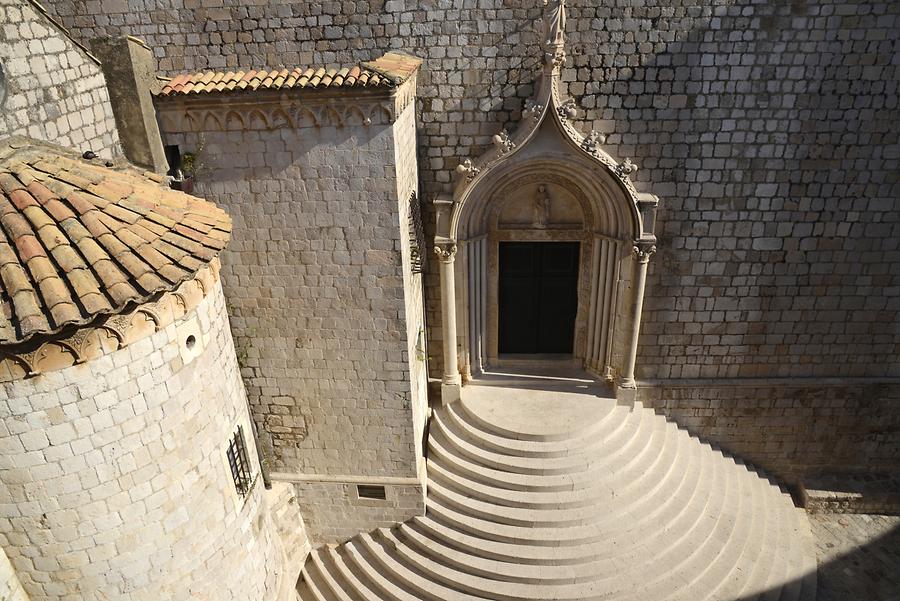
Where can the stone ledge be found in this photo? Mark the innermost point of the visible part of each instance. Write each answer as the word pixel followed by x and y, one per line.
pixel 877 493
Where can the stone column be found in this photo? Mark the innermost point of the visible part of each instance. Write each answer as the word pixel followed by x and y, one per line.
pixel 643 250
pixel 451 383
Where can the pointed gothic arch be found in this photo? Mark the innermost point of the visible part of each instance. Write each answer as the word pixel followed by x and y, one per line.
pixel 508 194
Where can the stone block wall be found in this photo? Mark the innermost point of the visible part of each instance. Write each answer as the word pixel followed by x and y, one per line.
pixel 324 307
pixel 792 430
pixel 413 285
pixel 334 512
pixel 115 479
pixel 50 87
pixel 769 130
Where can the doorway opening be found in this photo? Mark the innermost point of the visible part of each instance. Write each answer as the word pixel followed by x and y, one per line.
pixel 538 297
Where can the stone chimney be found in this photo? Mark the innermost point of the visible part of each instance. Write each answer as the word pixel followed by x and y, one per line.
pixel 130 71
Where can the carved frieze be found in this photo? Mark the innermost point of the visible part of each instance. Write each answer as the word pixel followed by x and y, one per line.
pixel 107 334
pixel 226 116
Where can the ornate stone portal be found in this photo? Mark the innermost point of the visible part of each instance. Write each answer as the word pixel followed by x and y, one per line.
pixel 545 182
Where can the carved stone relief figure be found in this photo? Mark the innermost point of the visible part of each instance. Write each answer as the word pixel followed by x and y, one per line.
pixel 554 23
pixel 541 208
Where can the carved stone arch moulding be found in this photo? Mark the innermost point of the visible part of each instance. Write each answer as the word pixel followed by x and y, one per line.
pixel 547 149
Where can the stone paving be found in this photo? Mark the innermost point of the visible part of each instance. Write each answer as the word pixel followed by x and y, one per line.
pixel 859 557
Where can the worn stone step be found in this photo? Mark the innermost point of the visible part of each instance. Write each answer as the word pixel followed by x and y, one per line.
pixel 454 418
pixel 575 547
pixel 656 455
pixel 499 429
pixel 633 436
pixel 326 574
pixel 638 481
pixel 629 508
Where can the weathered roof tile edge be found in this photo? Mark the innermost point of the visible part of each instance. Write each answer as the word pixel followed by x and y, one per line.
pixel 385 73
pixel 81 240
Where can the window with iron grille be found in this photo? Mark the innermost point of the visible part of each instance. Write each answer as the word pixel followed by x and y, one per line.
pixel 416 235
pixel 239 462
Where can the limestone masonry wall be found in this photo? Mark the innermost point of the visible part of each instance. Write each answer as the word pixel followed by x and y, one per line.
pixel 316 282
pixel 791 430
pixel 50 88
pixel 413 290
pixel 115 480
pixel 769 130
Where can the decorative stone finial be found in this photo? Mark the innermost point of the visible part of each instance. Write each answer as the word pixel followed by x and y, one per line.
pixel 554 42
pixel 533 109
pixel 567 110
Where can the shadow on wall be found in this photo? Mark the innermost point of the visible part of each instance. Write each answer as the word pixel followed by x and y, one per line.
pixel 768 132
pixel 868 573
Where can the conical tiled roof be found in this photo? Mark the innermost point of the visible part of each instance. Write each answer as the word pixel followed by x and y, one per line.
pixel 79 239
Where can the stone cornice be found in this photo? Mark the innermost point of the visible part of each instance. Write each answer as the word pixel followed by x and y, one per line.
pixel 276 109
pixel 108 334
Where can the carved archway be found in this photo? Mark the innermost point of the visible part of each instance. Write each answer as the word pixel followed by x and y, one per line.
pixel 577 192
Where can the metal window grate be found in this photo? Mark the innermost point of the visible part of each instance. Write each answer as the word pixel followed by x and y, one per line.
pixel 416 235
pixel 239 462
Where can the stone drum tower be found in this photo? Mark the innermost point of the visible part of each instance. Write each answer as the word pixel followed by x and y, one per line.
pixel 128 465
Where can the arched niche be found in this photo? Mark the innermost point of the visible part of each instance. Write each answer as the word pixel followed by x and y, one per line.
pixel 546 194
pixel 546 182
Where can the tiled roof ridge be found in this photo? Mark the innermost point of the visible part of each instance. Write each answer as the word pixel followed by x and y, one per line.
pixel 386 72
pixel 79 240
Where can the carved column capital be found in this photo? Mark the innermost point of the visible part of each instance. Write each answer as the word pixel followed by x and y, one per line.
pixel 446 251
pixel 644 250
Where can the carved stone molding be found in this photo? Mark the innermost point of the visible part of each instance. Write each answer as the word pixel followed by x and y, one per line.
pixel 467 169
pixel 547 106
pixel 107 334
pixel 446 252
pixel 183 116
pixel 503 143
pixel 644 250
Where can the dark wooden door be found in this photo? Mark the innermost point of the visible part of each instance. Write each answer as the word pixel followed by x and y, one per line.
pixel 538 296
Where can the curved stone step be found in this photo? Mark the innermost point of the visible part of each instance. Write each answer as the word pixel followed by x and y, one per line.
pixel 673 512
pixel 625 439
pixel 455 419
pixel 333 585
pixel 612 525
pixel 475 419
pixel 586 486
pixel 626 508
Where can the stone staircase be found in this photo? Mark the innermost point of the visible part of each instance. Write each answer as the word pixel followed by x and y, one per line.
pixel 620 504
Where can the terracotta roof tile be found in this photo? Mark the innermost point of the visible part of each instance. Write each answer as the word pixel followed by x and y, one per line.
pixel 386 72
pixel 79 240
